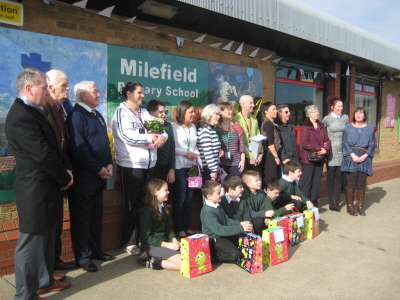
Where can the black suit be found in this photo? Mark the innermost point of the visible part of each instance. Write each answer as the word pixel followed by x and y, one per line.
pixel 40 173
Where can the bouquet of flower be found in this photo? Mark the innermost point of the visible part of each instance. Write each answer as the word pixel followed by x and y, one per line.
pixel 154 125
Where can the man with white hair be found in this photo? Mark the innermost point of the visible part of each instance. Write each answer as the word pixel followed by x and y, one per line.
pixel 58 88
pixel 41 173
pixel 249 124
pixel 90 156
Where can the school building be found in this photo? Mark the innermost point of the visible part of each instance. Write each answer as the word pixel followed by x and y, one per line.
pixel 204 51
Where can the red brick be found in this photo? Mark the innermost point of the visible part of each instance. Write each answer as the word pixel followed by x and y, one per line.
pixel 1 227
pixel 68 249
pixel 66 226
pixel 112 209
pixel 6 263
pixel 17 223
pixel 66 216
pixel 3 237
pixel 9 225
pixel 10 253
pixel 67 234
pixel 12 235
pixel 3 272
pixel 8 245
pixel 66 242
pixel 11 270
pixel 67 257
pixel 3 254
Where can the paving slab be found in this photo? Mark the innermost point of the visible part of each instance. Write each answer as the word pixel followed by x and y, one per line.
pixel 352 258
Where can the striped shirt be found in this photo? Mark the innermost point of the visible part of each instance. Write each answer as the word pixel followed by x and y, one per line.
pixel 208 145
pixel 234 144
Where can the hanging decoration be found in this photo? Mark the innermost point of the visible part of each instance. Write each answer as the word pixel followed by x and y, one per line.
pixel 179 42
pixel 200 39
pixel 254 53
pixel 228 46
pixel 107 12
pixel 239 50
pixel 81 4
pixel 130 20
pixel 266 58
pixel 216 45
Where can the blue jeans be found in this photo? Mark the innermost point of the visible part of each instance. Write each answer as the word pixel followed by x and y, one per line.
pixel 183 196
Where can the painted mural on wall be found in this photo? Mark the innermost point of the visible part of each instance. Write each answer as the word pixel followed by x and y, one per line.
pixel 169 78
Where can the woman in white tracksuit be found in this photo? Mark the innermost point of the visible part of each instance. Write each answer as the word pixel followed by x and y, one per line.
pixel 136 161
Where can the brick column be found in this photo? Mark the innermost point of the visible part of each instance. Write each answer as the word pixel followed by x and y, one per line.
pixel 334 83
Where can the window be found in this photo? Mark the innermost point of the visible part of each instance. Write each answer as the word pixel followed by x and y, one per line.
pixel 298 89
pixel 367 96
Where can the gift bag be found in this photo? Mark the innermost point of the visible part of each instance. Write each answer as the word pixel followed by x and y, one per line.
pixel 275 246
pixel 251 247
pixel 296 232
pixel 195 255
pixel 282 222
pixel 312 223
pixel 195 182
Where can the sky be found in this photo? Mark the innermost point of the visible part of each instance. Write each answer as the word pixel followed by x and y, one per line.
pixel 379 17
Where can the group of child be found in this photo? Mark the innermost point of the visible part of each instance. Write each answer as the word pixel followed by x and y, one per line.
pixel 243 208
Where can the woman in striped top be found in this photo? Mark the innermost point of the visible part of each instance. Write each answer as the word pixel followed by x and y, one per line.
pixel 232 142
pixel 208 142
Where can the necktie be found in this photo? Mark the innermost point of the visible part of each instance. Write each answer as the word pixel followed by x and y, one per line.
pixel 93 112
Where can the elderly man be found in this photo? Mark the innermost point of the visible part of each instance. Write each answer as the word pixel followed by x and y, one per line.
pixel 249 124
pixel 90 156
pixel 41 174
pixel 53 109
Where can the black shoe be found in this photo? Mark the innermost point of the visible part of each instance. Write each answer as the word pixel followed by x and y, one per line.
pixel 334 209
pixel 89 267
pixel 142 257
pixel 103 257
pixel 62 265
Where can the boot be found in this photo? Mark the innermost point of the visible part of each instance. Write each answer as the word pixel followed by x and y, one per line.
pixel 350 202
pixel 360 202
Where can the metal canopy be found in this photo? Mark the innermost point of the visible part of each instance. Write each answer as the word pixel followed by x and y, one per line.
pixel 289 28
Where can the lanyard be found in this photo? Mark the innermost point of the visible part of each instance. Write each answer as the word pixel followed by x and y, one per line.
pixel 227 135
pixel 188 138
pixel 247 125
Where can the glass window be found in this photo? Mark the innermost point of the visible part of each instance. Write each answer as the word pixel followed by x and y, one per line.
pixel 358 87
pixel 369 89
pixel 298 97
pixel 287 73
pixel 369 102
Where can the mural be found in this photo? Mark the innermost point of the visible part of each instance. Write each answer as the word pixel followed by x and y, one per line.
pixel 170 78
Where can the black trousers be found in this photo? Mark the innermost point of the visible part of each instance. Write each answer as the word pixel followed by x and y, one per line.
pixel 311 181
pixel 270 168
pixel 334 185
pixel 234 170
pixel 258 225
pixel 224 249
pixel 86 212
pixel 134 186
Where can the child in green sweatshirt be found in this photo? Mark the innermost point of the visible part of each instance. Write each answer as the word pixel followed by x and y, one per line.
pixel 223 232
pixel 290 191
pixel 261 204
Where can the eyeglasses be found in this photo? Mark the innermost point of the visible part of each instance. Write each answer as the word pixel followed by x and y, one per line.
pixel 94 92
pixel 286 112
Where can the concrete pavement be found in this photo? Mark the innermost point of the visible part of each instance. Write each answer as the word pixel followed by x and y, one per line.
pixel 352 258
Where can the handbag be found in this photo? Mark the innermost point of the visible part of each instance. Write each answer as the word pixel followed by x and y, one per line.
pixel 195 182
pixel 313 156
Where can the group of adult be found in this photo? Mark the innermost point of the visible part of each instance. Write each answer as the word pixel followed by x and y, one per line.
pixel 56 150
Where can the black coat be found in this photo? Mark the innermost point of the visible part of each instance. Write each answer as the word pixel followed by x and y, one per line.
pixel 40 168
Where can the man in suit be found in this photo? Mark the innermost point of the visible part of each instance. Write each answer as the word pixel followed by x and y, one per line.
pixel 54 111
pixel 40 176
pixel 90 156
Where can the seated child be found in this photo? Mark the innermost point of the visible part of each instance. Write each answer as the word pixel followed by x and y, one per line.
pixel 156 234
pixel 222 231
pixel 290 191
pixel 260 204
pixel 233 206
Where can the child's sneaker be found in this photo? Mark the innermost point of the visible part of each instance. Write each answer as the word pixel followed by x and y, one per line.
pixel 133 250
pixel 142 257
pixel 148 263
